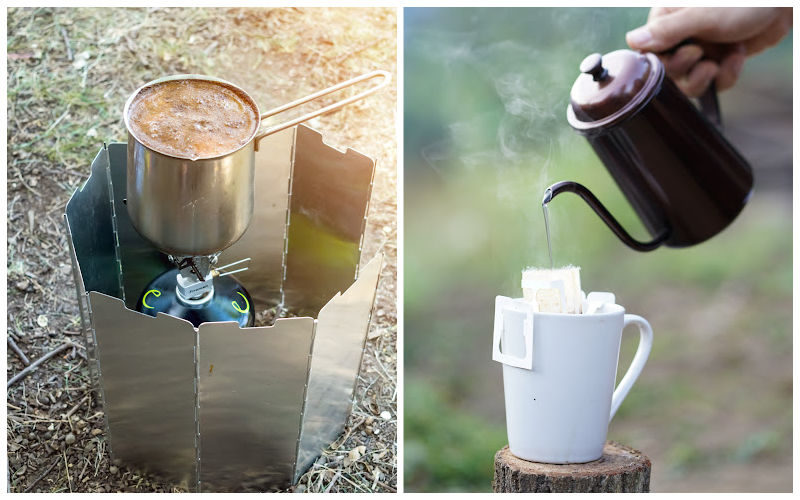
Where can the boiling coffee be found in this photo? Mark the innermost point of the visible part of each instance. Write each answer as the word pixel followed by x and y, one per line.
pixel 193 119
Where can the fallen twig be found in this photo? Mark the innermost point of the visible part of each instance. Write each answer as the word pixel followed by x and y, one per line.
pixel 333 481
pixel 75 408
pixel 33 366
pixel 387 487
pixel 66 470
pixel 42 475
pixel 66 42
pixel 18 351
pixel 335 445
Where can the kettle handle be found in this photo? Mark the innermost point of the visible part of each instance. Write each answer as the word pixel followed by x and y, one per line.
pixel 709 104
pixel 604 214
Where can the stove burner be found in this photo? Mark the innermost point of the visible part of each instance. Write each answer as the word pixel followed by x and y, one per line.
pixel 227 301
pixel 189 262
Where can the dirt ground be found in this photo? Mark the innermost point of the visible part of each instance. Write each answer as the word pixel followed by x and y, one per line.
pixel 69 74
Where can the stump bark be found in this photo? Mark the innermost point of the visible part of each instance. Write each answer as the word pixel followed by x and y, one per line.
pixel 621 470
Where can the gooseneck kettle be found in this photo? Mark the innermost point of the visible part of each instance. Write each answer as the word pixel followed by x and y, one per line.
pixel 682 177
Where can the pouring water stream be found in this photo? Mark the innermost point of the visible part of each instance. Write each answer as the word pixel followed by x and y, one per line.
pixel 547 196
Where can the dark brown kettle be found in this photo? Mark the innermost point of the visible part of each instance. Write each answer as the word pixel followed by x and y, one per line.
pixel 682 177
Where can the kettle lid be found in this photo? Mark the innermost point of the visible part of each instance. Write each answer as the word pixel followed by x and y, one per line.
pixel 612 87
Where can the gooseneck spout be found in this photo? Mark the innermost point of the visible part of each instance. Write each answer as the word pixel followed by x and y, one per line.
pixel 604 214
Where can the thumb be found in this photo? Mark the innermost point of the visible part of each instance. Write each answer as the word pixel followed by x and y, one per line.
pixel 664 32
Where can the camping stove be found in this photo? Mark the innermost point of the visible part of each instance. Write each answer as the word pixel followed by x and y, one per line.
pixel 193 393
pixel 198 292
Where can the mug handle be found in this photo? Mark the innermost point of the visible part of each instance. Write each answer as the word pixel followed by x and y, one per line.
pixel 639 359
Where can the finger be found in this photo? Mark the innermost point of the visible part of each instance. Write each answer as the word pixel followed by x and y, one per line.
pixel 730 68
pixel 699 78
pixel 679 64
pixel 664 32
pixel 769 37
pixel 661 11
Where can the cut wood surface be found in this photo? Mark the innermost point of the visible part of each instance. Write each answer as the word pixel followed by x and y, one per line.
pixel 621 469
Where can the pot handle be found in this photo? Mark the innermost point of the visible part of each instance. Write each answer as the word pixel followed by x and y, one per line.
pixel 291 123
pixel 605 215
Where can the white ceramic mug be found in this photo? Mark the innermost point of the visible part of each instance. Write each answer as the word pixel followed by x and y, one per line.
pixel 558 375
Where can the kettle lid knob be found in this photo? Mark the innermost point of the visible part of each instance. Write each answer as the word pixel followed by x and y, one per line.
pixel 593 65
pixel 612 87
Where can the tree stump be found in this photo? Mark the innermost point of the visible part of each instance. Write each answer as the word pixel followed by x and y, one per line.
pixel 621 470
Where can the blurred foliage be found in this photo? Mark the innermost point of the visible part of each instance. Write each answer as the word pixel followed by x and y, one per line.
pixel 486 92
pixel 453 459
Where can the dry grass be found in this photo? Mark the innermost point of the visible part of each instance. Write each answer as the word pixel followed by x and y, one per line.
pixel 69 73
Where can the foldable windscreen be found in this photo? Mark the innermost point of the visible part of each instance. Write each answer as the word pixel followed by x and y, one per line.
pixel 223 408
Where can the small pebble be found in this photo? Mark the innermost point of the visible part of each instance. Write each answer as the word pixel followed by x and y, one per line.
pixel 70 438
pixel 386 415
pixel 97 432
pixel 113 469
pixel 22 285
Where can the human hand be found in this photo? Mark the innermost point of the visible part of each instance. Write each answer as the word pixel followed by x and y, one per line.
pixel 722 39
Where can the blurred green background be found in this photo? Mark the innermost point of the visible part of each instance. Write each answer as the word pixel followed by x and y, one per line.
pixel 486 92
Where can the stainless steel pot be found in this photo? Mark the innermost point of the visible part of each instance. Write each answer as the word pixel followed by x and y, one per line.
pixel 200 207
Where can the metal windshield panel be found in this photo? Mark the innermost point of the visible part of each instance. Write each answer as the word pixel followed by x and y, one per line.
pixel 329 199
pixel 223 408
pixel 139 259
pixel 83 306
pixel 147 371
pixel 338 346
pixel 251 387
pixel 264 240
pixel 89 215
